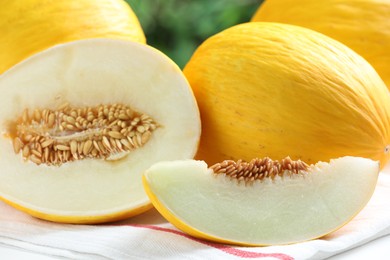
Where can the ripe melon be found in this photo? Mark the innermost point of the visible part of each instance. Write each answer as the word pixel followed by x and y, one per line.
pixel 30 26
pixel 362 25
pixel 80 123
pixel 277 90
pixel 255 204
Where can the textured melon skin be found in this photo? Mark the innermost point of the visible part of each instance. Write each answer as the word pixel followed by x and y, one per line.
pixel 269 212
pixel 30 26
pixel 277 90
pixel 361 25
pixel 88 73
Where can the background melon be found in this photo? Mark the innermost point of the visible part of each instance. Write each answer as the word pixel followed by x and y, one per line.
pixel 362 25
pixel 30 26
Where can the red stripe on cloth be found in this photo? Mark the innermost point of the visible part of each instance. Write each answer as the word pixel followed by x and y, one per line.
pixel 225 248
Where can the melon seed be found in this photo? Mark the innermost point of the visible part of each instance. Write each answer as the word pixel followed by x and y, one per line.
pixel 258 169
pixel 53 137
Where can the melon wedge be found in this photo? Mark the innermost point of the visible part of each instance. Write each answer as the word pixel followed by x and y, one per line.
pixel 92 170
pixel 283 209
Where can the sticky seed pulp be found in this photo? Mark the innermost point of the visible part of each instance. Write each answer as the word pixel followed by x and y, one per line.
pixel 67 134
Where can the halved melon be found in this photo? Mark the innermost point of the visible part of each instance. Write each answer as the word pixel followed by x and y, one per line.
pixel 262 202
pixel 80 123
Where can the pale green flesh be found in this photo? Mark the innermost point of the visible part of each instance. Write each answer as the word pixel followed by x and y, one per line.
pixel 285 210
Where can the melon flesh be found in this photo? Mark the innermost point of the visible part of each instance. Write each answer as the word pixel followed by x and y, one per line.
pixel 89 73
pixel 285 210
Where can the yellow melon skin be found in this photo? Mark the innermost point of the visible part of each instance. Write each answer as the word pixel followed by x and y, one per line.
pixel 362 25
pixel 81 219
pixel 30 26
pixel 277 90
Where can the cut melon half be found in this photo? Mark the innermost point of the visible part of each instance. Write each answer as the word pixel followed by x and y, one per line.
pixel 82 121
pixel 262 202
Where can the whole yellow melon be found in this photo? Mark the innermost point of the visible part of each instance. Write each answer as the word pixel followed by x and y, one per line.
pixel 30 26
pixel 277 90
pixel 362 25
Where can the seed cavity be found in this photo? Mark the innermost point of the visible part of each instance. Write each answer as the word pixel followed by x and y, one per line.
pixel 54 137
pixel 259 169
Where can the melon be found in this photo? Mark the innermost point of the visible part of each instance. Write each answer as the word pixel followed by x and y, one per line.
pixel 277 90
pixel 30 26
pixel 261 202
pixel 361 25
pixel 80 123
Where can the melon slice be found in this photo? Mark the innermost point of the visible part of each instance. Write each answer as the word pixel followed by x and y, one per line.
pixel 82 121
pixel 262 202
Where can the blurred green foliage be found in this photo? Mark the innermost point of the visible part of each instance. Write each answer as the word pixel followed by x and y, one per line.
pixel 177 27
